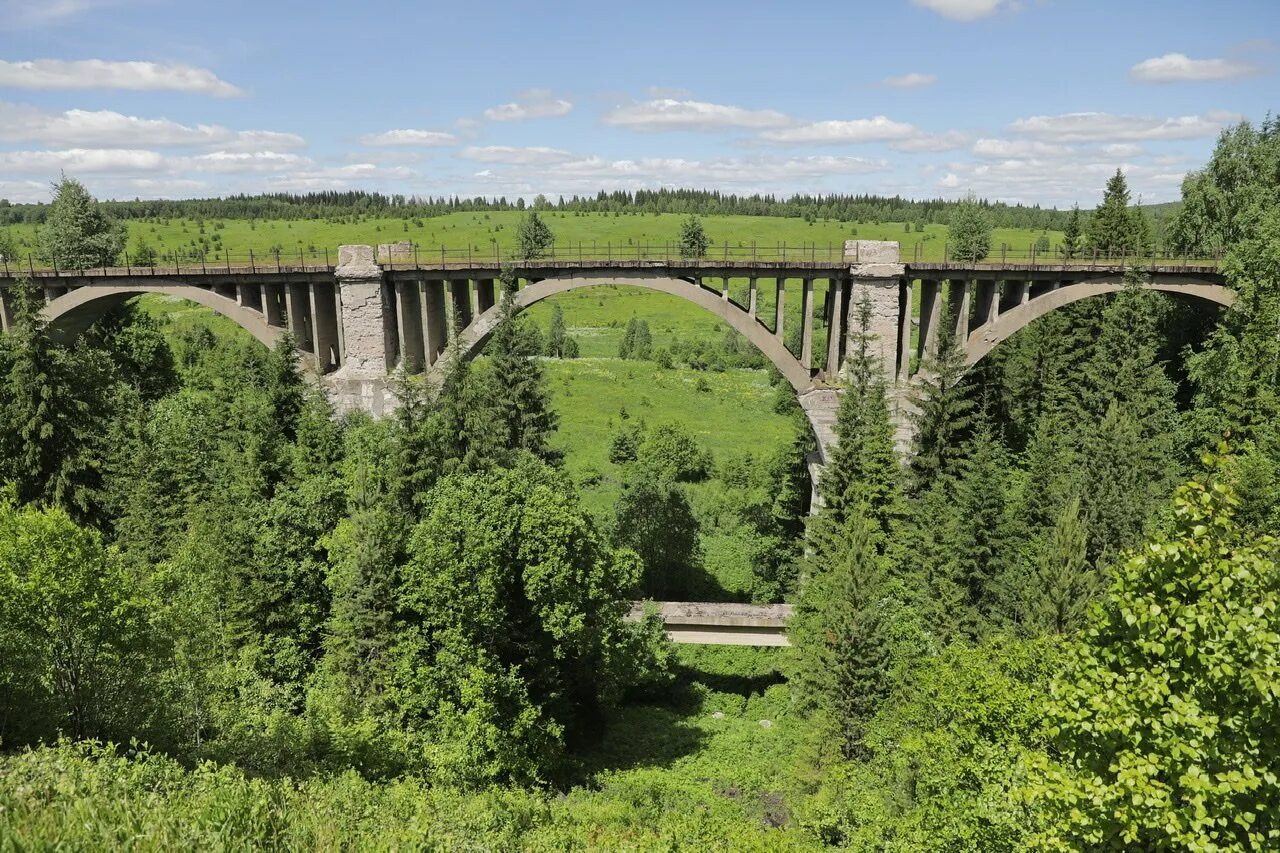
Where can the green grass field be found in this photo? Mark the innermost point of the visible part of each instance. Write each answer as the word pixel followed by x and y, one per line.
pixel 481 231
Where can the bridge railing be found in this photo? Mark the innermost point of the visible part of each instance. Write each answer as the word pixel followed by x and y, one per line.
pixel 493 255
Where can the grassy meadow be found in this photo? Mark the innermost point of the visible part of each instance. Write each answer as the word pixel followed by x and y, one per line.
pixel 480 231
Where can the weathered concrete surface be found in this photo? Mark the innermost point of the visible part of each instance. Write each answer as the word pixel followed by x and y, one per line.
pixel 360 383
pixel 721 624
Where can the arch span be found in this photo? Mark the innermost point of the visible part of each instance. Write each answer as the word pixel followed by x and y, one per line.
pixel 984 339
pixel 731 312
pixel 73 312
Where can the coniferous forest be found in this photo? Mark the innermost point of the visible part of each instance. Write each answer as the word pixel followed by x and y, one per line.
pixel 231 619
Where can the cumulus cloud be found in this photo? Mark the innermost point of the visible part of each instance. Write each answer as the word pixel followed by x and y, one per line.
pixel 1061 181
pixel 516 156
pixel 531 103
pixel 965 10
pixel 671 114
pixel 81 161
pixel 913 80
pixel 1180 68
pixel 407 136
pixel 932 142
pixel 109 129
pixel 1109 127
pixel 1002 149
pixel 852 131
pixel 103 74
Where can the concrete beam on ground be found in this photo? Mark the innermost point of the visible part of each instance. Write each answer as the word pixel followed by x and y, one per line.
pixel 720 624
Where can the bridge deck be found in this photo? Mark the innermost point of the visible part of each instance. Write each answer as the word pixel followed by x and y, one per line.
pixel 710 623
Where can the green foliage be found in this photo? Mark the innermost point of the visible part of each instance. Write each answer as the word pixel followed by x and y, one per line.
pixel 671 450
pixel 1116 229
pixel 1072 235
pixel 839 629
pixel 946 748
pixel 969 235
pixel 559 344
pixel 636 342
pixel 77 234
pixel 1163 721
pixel 511 637
pixel 653 518
pixel 944 409
pixel 693 239
pixel 73 631
pixel 54 404
pixel 533 237
pixel 1062 584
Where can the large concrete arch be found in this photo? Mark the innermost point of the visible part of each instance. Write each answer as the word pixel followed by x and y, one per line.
pixel 73 312
pixel 726 309
pixel 984 339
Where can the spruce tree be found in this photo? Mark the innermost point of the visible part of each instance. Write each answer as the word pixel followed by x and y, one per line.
pixel 863 474
pixel 983 546
pixel 533 238
pixel 516 387
pixel 1071 234
pixel 54 409
pixel 559 344
pixel 1111 229
pixel 943 409
pixel 77 234
pixel 1063 584
pixel 693 239
pixel 841 637
pixel 969 237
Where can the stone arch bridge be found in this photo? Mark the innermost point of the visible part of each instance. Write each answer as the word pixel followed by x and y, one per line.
pixel 358 321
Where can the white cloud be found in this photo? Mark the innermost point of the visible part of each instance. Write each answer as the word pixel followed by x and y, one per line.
pixel 666 92
pixel 1122 150
pixel 245 161
pixel 406 136
pixel 1180 68
pixel 878 129
pixel 33 14
pixel 1106 127
pixel 913 80
pixel 103 74
pixel 81 161
pixel 965 10
pixel 1061 181
pixel 950 180
pixel 531 103
pixel 670 114
pixel 931 142
pixel 1002 149
pixel 108 129
pixel 516 156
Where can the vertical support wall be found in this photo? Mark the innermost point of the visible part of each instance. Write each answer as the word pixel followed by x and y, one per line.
pixel 363 336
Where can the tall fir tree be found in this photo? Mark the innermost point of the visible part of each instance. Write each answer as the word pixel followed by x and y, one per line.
pixel 842 639
pixel 943 409
pixel 863 474
pixel 77 234
pixel 1063 583
pixel 515 384
pixel 1071 235
pixel 1111 228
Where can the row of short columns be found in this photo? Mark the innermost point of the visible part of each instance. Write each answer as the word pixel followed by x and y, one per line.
pixel 427 311
pixel 309 310
pixel 971 304
pixel 833 315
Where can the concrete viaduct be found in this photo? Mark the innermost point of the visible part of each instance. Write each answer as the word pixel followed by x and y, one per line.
pixel 357 321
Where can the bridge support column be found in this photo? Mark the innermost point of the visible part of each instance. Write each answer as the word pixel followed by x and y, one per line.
pixel 324 326
pixel 958 296
pixel 360 382
pixel 435 319
pixel 272 305
pixel 877 276
pixel 409 318
pixel 930 317
pixel 486 298
pixel 779 307
pixel 460 303
pixel 751 296
pixel 835 325
pixel 299 313
pixel 806 325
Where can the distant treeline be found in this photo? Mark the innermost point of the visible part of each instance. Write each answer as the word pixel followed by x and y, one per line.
pixel 337 205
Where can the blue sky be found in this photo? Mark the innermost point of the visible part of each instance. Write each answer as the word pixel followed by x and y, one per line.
pixel 1018 100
